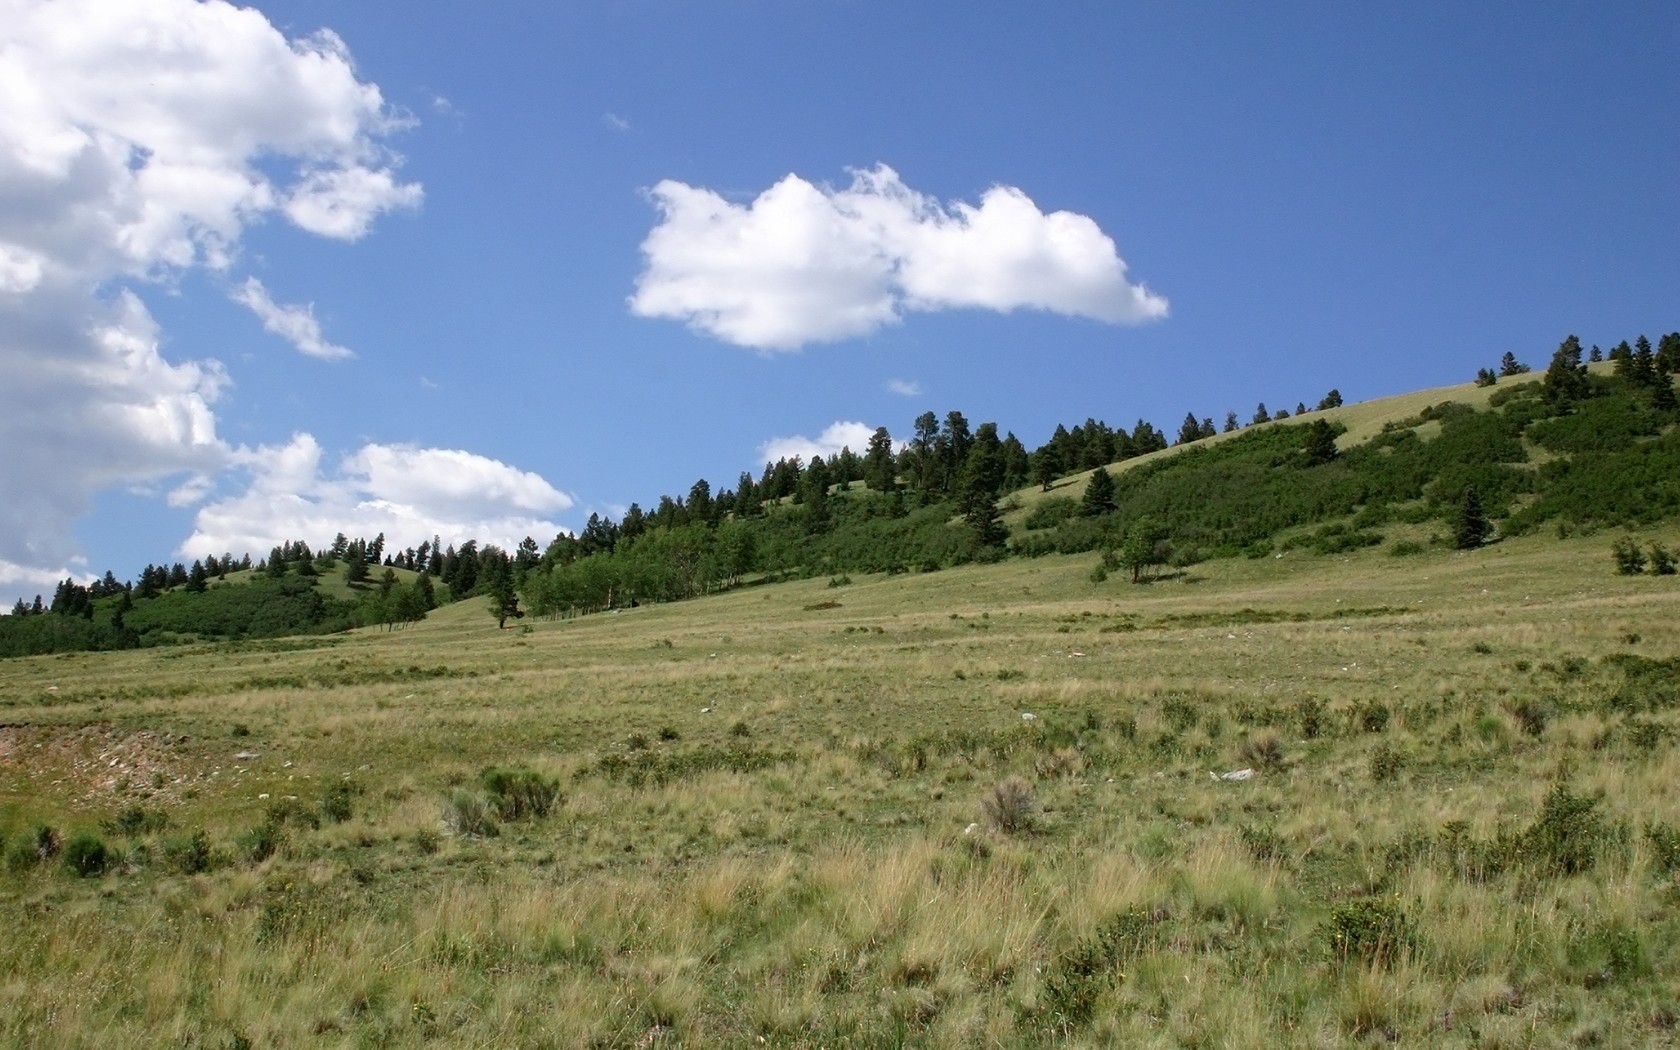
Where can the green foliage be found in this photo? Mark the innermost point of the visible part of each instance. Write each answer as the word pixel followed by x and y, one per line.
pixel 470 814
pixel 1569 836
pixel 190 853
pixel 1472 528
pixel 1051 512
pixel 521 793
pixel 1370 931
pixel 1629 559
pixel 86 855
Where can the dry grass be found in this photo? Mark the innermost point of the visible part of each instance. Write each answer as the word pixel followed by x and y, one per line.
pixel 810 882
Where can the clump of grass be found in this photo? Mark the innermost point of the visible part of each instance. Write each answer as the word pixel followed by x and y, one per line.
pixel 262 841
pixel 521 793
pixel 1263 750
pixel 1011 805
pixel 86 855
pixel 669 734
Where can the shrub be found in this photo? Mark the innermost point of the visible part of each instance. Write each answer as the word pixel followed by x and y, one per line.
pixel 87 855
pixel 1386 762
pixel 136 820
pixel 1309 711
pixel 1570 834
pixel 39 846
pixel 1011 805
pixel 1373 717
pixel 1662 560
pixel 190 854
pixel 521 793
pixel 1371 931
pixel 263 841
pixel 1629 559
pixel 335 804
pixel 470 814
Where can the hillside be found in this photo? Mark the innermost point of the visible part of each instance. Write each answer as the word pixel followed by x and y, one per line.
pixel 1576 447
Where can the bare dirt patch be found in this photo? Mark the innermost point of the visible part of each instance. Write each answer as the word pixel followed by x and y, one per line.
pixel 96 765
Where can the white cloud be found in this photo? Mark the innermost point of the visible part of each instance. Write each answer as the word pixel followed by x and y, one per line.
pixel 295 324
pixel 615 122
pixel 836 436
pixel 138 140
pixel 410 494
pixel 803 263
pixel 904 387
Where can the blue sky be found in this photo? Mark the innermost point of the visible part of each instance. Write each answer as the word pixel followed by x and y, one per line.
pixel 484 269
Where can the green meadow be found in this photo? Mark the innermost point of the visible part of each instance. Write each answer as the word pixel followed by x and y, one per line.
pixel 995 805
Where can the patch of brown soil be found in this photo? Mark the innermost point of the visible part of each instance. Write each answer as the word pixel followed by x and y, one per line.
pixel 95 765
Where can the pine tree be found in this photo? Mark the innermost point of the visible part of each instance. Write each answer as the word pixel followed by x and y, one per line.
pixel 1472 529
pixel 981 484
pixel 1565 382
pixel 1260 414
pixel 880 469
pixel 1321 442
pixel 1510 366
pixel 1231 422
pixel 1099 494
pixel 1045 467
pixel 1331 400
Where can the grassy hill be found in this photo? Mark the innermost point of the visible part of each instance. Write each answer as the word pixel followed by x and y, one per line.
pixel 975 807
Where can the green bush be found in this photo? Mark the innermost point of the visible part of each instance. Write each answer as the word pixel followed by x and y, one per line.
pixel 1569 836
pixel 1371 931
pixel 136 820
pixel 189 854
pixel 1629 559
pixel 335 805
pixel 87 855
pixel 470 814
pixel 522 793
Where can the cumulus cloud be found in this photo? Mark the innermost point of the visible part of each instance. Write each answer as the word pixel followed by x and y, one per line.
pixel 904 387
pixel 295 324
pixel 804 263
pixel 836 436
pixel 138 140
pixel 408 493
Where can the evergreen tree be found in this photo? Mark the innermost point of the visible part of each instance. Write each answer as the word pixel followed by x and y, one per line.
pixel 1510 366
pixel 1099 494
pixel 1189 430
pixel 1472 528
pixel 1331 400
pixel 355 564
pixel 879 467
pixel 1207 427
pixel 1321 442
pixel 1565 382
pixel 814 490
pixel 1260 414
pixel 504 600
pixel 981 484
pixel 198 579
pixel 1017 464
pixel 1045 467
pixel 1596 355
pixel 1300 408
pixel 1231 422
pixel 1668 354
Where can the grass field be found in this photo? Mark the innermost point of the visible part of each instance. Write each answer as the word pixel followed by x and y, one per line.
pixel 978 807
